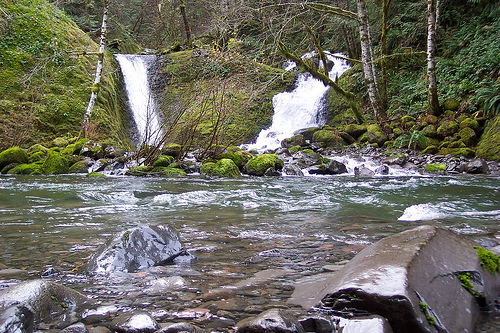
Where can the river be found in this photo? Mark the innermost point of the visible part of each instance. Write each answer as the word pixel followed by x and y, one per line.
pixel 289 227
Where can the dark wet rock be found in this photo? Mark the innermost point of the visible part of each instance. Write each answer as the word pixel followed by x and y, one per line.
pixel 93 150
pixel 317 170
pixel 363 172
pixel 102 313
pixel 99 329
pixel 271 172
pixel 400 160
pixel 16 318
pixel 113 152
pixel 411 279
pixel 179 327
pixel 135 322
pixel 308 132
pixel 317 324
pixel 219 323
pixel 273 320
pixel 75 328
pixel 474 166
pixel 382 170
pixel 137 249
pixel 307 157
pixel 355 130
pixel 370 324
pixel 334 167
pixel 292 170
pixel 50 272
pixel 45 300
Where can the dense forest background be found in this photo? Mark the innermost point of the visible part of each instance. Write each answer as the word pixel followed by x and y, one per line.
pixel 48 54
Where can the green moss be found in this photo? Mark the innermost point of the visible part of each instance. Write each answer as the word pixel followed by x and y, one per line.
pixel 96 175
pixel 13 155
pixel 435 168
pixel 451 105
pixel 430 150
pixel 55 163
pixel 223 168
pixel 257 166
pixel 171 149
pixel 79 167
pixel 355 130
pixel 294 149
pixel 239 157
pixel 424 308
pixel 489 260
pixel 458 152
pixel 448 128
pixel 168 172
pixel 141 170
pixel 489 146
pixel 327 138
pixel 163 161
pixel 126 236
pixel 471 123
pixel 26 169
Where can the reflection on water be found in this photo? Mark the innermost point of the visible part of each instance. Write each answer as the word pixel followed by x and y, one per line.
pixel 235 227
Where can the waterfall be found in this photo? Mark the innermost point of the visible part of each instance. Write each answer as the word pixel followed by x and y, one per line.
pixel 140 98
pixel 300 108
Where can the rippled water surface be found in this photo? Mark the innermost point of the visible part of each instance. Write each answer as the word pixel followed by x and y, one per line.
pixel 235 227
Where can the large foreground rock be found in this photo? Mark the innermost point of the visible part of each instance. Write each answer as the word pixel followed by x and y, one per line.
pixel 27 303
pixel 273 320
pixel 137 249
pixel 412 280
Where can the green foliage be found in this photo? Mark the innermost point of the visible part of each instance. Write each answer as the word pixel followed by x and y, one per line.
pixel 489 260
pixel 490 94
pixel 411 141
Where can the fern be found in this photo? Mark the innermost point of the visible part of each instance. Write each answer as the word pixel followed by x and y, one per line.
pixel 490 93
pixel 410 141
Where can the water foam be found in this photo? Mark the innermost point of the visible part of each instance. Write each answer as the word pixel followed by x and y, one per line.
pixel 422 212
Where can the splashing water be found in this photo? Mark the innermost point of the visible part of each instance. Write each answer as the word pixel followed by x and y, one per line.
pixel 300 108
pixel 141 101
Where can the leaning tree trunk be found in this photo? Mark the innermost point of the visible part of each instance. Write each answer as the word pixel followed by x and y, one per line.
pixel 189 40
pixel 432 97
pixel 367 60
pixel 98 72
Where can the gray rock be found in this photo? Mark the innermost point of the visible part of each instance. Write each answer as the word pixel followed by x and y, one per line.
pixel 317 325
pixel 102 313
pixel 179 327
pixel 296 140
pixel 135 322
pixel 334 167
pixel 382 170
pixel 293 170
pixel 75 328
pixel 474 166
pixel 99 329
pixel 363 172
pixel 45 300
pixel 137 249
pixel 394 276
pixel 273 320
pixel 17 319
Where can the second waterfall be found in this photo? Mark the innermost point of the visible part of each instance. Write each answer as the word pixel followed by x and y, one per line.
pixel 135 69
pixel 300 108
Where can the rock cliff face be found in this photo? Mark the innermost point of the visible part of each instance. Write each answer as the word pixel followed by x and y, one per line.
pixel 423 280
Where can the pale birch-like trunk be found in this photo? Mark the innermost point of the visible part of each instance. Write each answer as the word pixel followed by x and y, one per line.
pixel 98 72
pixel 432 97
pixel 367 60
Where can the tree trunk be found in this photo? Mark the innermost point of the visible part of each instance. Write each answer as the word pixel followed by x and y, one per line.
pixel 432 97
pixel 98 72
pixel 383 54
pixel 367 60
pixel 189 40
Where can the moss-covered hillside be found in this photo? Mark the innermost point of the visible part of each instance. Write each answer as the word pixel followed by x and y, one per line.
pixel 46 75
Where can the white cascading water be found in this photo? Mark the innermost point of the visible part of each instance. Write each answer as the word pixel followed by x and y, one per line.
pixel 299 108
pixel 135 70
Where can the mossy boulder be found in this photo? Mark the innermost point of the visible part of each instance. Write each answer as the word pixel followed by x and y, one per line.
pixel 447 128
pixel 429 131
pixel 26 169
pixel 141 170
pixel 430 150
pixel 355 130
pixel 470 123
pixel 223 168
pixel 38 156
pixel 96 175
pixel 296 140
pixel 92 149
pixel 328 138
pixel 168 172
pixel 435 168
pixel 457 144
pixel 79 167
pixel 163 161
pixel 374 134
pixel 171 149
pixel 37 148
pixel 489 146
pixel 467 136
pixel 258 165
pixel 451 105
pixel 238 156
pixel 55 163
pixel 308 132
pixel 14 155
pixel 431 119
pixel 60 142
